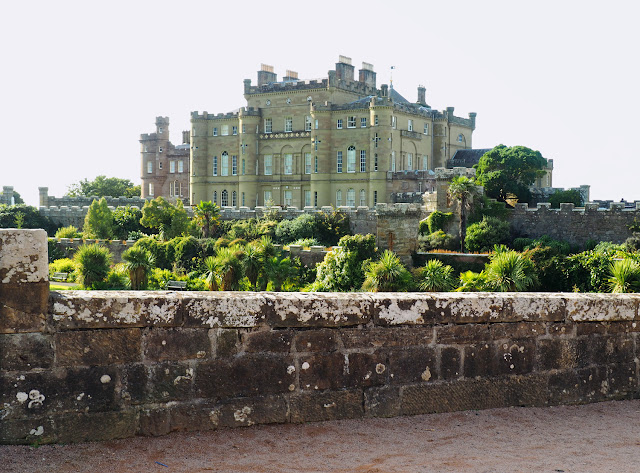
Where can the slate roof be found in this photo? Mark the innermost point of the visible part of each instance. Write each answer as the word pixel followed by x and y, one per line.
pixel 466 157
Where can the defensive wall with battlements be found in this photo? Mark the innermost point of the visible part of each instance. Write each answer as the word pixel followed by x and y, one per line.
pixel 91 365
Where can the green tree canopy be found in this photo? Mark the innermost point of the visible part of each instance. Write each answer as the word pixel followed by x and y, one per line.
pixel 103 186
pixel 571 196
pixel 462 189
pixel 159 214
pixel 507 172
pixel 126 220
pixel 98 223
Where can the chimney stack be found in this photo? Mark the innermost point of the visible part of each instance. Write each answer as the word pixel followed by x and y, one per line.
pixel 291 76
pixel 266 75
pixel 422 95
pixel 344 69
pixel 367 75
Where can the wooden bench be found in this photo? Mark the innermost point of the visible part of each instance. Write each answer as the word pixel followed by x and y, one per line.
pixel 176 285
pixel 60 276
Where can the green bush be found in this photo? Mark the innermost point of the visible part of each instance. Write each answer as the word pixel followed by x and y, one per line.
pixel 423 227
pixel 438 240
pixel 483 236
pixel 117 279
pixel 162 252
pixel 303 226
pixel 438 220
pixel 520 244
pixel 633 242
pixel 56 251
pixel 126 220
pixel 93 263
pixel 387 274
pixel 158 278
pixel 435 277
pixel 331 227
pixel 306 242
pixel 187 253
pixel 510 271
pixel 63 265
pixel 570 196
pixel 68 232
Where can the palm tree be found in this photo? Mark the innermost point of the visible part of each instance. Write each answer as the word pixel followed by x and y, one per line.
pixel 462 189
pixel 253 264
pixel 139 263
pixel 472 282
pixel 386 275
pixel 207 216
pixel 278 271
pixel 93 264
pixel 267 250
pixel 228 262
pixel 625 276
pixel 510 271
pixel 435 277
pixel 211 276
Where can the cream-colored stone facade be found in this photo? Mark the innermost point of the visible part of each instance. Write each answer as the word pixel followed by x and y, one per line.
pixel 165 167
pixel 335 141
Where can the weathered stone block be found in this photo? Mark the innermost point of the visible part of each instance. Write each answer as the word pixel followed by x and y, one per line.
pixel 244 376
pixel 23 307
pixel 383 401
pixel 623 380
pixel 601 307
pixel 154 422
pixel 514 357
pixel 332 405
pixel 377 337
pixel 562 329
pixel 478 360
pixel 96 427
pixel 224 309
pixel 591 350
pixel 555 354
pixel 25 351
pixel 300 309
pixel 23 256
pixel 162 344
pixel 579 386
pixel 517 330
pixel 170 382
pixel 537 306
pixel 227 342
pixel 35 429
pixel 322 371
pixel 134 383
pixel 278 341
pixel 462 334
pixel 364 369
pixel 400 309
pixel 247 412
pixel 472 308
pixel 412 365
pixel 114 309
pixel 450 363
pixel 323 340
pixel 623 327
pixel 98 347
pixel 193 416
pixel 591 328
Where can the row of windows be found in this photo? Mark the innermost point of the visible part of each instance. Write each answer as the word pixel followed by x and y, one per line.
pixel 288 198
pixel 224 130
pixel 172 166
pixel 351 197
pixel 224 162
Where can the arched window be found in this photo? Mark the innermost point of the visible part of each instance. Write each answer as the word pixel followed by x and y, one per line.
pixel 351 159
pixel 461 138
pixel 225 164
pixel 215 197
pixel 351 198
pixel 338 198
pixel 363 198
pixel 225 198
pixel 234 198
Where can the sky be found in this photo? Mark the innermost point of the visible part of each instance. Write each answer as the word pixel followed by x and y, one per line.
pixel 81 80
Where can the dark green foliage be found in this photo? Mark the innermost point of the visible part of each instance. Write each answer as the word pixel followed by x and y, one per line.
pixel 572 196
pixel 98 223
pixel 56 251
pixel 633 242
pixel 510 271
pixel 507 172
pixel 164 217
pixel 31 218
pixel 187 252
pixel 483 236
pixel 93 262
pixel 126 220
pixel 590 245
pixel 520 244
pixel 438 220
pixel 559 246
pixel 435 277
pixel 486 207
pixel 438 240
pixel 342 268
pixel 624 276
pixel 589 271
pixel 162 252
pixel 331 227
pixel 423 227
pixel 549 267
pixel 387 274
pixel 635 226
pixel 103 186
pixel 304 226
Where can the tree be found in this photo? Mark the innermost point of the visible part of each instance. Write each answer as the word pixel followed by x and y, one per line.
pixel 278 271
pixel 252 263
pixel 28 215
pixel 624 276
pixel 342 269
pixel 507 172
pixel 386 275
pixel 510 271
pixel 139 263
pixel 211 275
pixel 207 216
pixel 228 261
pixel 159 214
pixel 462 189
pixel 125 221
pixel 435 277
pixel 572 196
pixel 103 186
pixel 93 263
pixel 484 235
pixel 98 223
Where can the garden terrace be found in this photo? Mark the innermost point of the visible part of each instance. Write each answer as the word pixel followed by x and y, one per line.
pixel 93 365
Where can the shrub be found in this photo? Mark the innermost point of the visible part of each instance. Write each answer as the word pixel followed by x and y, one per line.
pixel 438 240
pixel 570 196
pixel 187 251
pixel 135 235
pixel 303 226
pixel 387 274
pixel 126 220
pixel 56 251
pixel 438 220
pixel 483 236
pixel 98 223
pixel 510 271
pixel 633 242
pixel 117 279
pixel 63 265
pixel 472 282
pixel 139 263
pixel 158 278
pixel 306 242
pixel 423 227
pixel 331 227
pixel 68 232
pixel 520 244
pixel 93 263
pixel 624 276
pixel 435 277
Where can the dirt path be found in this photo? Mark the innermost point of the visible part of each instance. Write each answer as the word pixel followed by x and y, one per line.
pixel 599 438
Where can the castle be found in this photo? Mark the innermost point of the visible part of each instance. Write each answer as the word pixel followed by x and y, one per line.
pixel 338 141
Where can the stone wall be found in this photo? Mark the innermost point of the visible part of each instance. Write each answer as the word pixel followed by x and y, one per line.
pixel 575 225
pixel 116 247
pixel 103 365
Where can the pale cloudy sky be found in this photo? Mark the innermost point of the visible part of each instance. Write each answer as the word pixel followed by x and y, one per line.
pixel 82 79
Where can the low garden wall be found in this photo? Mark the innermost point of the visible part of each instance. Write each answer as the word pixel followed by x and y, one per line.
pixel 83 365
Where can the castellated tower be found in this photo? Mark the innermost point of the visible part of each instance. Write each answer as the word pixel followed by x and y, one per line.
pixel 164 167
pixel 338 141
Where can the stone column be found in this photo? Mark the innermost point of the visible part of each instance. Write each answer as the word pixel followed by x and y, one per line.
pixel 24 280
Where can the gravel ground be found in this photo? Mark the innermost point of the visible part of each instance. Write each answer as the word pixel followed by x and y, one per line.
pixel 602 437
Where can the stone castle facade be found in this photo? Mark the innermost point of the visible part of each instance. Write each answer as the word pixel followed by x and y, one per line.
pixel 165 167
pixel 338 141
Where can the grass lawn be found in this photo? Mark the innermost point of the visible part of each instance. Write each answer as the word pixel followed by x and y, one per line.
pixel 60 287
